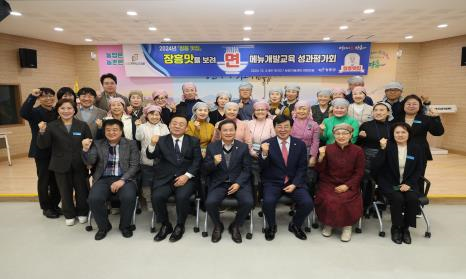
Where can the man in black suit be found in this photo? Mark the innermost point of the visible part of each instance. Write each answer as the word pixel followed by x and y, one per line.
pixel 228 166
pixel 116 161
pixel 47 190
pixel 179 158
pixel 283 164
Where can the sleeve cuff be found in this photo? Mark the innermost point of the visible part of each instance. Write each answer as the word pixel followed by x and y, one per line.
pixel 189 175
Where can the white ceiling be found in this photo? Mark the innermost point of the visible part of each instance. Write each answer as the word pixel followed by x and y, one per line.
pixel 217 20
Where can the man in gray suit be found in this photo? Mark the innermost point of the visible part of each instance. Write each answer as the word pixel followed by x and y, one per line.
pixel 116 161
pixel 109 82
pixel 87 112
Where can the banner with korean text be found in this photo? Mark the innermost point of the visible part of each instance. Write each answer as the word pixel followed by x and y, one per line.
pixel 257 59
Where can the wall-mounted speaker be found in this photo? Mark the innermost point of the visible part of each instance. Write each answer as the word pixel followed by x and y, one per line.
pixel 28 58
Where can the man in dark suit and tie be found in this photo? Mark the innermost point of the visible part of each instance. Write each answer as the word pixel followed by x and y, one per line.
pixel 179 158
pixel 116 161
pixel 283 164
pixel 228 166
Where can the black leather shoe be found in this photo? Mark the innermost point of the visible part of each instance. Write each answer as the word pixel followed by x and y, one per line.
pixel 270 233
pixel 406 236
pixel 127 233
pixel 101 234
pixel 217 233
pixel 235 233
pixel 165 230
pixel 50 213
pixel 58 210
pixel 298 232
pixel 177 233
pixel 396 235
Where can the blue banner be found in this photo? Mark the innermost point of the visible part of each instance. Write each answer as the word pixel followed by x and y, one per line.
pixel 258 59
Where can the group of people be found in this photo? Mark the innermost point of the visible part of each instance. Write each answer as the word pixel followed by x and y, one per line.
pixel 251 150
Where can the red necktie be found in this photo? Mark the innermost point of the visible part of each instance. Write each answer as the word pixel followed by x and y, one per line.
pixel 285 157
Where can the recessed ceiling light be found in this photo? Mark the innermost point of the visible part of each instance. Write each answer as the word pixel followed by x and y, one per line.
pixel 246 39
pixel 131 13
pixel 444 25
pixel 247 28
pixel 326 38
pixel 408 37
pixel 152 28
pixel 14 13
pixel 167 39
pixel 249 12
pixel 58 29
pixel 369 11
pixel 343 27
pixel 88 39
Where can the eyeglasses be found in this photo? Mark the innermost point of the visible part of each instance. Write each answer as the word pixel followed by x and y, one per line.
pixel 260 110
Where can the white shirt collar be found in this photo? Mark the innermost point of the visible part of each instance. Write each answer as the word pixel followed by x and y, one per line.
pixel 288 140
pixel 180 139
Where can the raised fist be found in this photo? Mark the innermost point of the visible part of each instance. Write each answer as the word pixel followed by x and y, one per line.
pixel 217 159
pixel 383 143
pixel 154 139
pixel 265 148
pixel 35 92
pixel 98 122
pixel 86 144
pixel 42 126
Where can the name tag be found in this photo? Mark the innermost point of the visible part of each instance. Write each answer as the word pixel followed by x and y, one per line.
pixel 76 133
pixel 256 146
pixel 417 121
pixel 409 157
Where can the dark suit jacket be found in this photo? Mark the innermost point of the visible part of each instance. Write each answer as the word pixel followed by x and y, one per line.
pixel 239 170
pixel 273 169
pixel 385 166
pixel 96 113
pixel 98 156
pixel 66 146
pixel 167 168
pixel 34 115
pixel 421 125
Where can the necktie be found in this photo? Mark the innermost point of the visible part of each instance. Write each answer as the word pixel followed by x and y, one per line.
pixel 285 156
pixel 177 150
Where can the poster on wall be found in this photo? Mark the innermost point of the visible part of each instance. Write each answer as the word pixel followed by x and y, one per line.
pixel 257 59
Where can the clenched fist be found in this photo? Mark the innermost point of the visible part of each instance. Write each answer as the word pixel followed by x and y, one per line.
pixel 35 92
pixel 265 148
pixel 363 134
pixel 129 109
pixel 138 122
pixel 218 159
pixel 154 139
pixel 86 144
pixel 197 124
pixel 383 143
pixel 98 122
pixel 322 127
pixel 42 126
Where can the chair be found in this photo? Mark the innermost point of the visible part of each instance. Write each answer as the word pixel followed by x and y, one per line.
pixel 171 200
pixel 230 202
pixel 423 200
pixel 114 198
pixel 285 200
pixel 4 144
